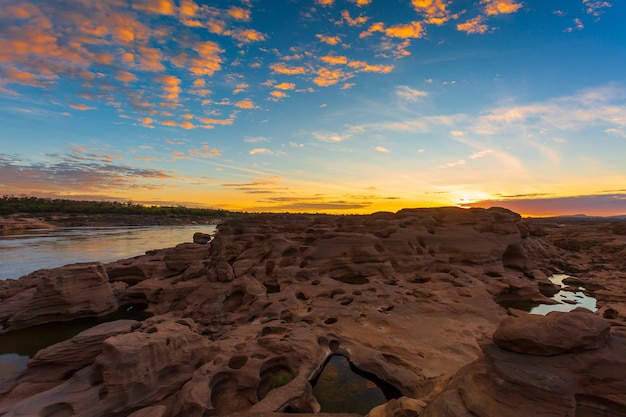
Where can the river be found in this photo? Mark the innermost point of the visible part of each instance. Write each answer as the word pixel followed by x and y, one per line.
pixel 23 253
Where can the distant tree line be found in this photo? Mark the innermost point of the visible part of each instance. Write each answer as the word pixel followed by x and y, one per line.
pixel 37 205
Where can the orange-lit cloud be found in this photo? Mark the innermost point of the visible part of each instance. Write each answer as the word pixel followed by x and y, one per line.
pixel 165 7
pixel 82 107
pixel 409 30
pixel 334 60
pixel 285 86
pixel 325 2
pixel 171 87
pixel 208 60
pixel 246 35
pixel 435 11
pixel 326 77
pixel 125 76
pixel 280 68
pixel 239 13
pixel 495 7
pixel 374 27
pixel 474 25
pixel 188 8
pixel 361 3
pixel 205 152
pixel 330 40
pixel 365 67
pixel 279 94
pixel 382 149
pixel 245 104
pixel 353 21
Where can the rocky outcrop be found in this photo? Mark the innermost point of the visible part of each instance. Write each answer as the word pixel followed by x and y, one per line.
pixel 585 379
pixel 70 292
pixel 243 323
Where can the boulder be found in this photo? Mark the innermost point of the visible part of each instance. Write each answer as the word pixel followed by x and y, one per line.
pixel 552 334
pixel 66 293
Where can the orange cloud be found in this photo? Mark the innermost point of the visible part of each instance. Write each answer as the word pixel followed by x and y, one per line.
pixel 211 121
pixel 199 83
pixel 147 121
pixel 188 8
pixel 325 3
pixel 125 76
pixel 434 11
pixel 278 94
pixel 495 7
pixel 239 13
pixel 374 27
pixel 82 107
pixel 186 125
pixel 326 77
pixel 361 3
pixel 165 7
pixel 365 67
pixel 347 86
pixel 205 152
pixel 150 59
pixel 171 87
pixel 285 86
pixel 353 21
pixel 245 104
pixel 409 30
pixel 281 68
pixel 330 40
pixel 168 123
pixel 334 60
pixel 474 25
pixel 246 35
pixel 208 60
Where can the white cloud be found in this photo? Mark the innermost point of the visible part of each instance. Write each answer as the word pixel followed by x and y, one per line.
pixel 257 139
pixel 382 149
pixel 616 132
pixel 262 151
pixel 406 93
pixel 480 154
pixel 329 137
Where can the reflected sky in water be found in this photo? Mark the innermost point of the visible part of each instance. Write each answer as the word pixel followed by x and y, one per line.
pixel 23 253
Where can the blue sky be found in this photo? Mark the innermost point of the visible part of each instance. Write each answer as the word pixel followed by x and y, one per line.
pixel 350 106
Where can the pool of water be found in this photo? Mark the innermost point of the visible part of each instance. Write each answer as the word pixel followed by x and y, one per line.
pixel 17 347
pixel 567 300
pixel 341 388
pixel 23 253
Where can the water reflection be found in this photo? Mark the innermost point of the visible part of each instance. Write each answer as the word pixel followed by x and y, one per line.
pixel 341 388
pixel 23 253
pixel 567 300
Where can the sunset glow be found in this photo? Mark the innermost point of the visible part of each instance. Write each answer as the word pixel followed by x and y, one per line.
pixel 338 106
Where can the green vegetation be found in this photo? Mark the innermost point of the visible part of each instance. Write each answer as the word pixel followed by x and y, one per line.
pixel 41 206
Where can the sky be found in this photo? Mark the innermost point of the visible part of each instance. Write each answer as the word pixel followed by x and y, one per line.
pixel 335 106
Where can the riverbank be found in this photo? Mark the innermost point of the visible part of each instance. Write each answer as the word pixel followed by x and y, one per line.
pixel 23 221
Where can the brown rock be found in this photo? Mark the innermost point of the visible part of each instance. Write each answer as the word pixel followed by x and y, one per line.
pixel 66 293
pixel 505 383
pixel 402 407
pixel 553 334
pixel 201 238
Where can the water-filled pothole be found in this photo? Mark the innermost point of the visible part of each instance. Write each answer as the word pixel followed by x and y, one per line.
pixel 18 346
pixel 342 388
pixel 567 300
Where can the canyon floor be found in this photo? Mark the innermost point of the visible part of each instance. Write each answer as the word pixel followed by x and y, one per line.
pixel 242 323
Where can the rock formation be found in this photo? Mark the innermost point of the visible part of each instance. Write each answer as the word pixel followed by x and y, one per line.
pixel 244 322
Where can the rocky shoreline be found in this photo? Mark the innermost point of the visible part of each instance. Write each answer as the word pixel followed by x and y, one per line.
pixel 242 324
pixel 20 222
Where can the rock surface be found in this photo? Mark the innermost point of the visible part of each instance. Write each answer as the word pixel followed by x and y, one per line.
pixel 585 383
pixel 243 323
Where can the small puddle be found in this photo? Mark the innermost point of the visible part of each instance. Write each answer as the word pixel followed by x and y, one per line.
pixel 18 346
pixel 568 300
pixel 341 388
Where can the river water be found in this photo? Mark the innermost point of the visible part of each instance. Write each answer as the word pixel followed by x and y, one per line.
pixel 23 253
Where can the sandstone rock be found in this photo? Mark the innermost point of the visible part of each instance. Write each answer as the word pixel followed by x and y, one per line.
pixel 553 334
pixel 402 407
pixel 81 350
pixel 244 324
pixel 201 238
pixel 156 411
pixel 70 292
pixel 505 383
